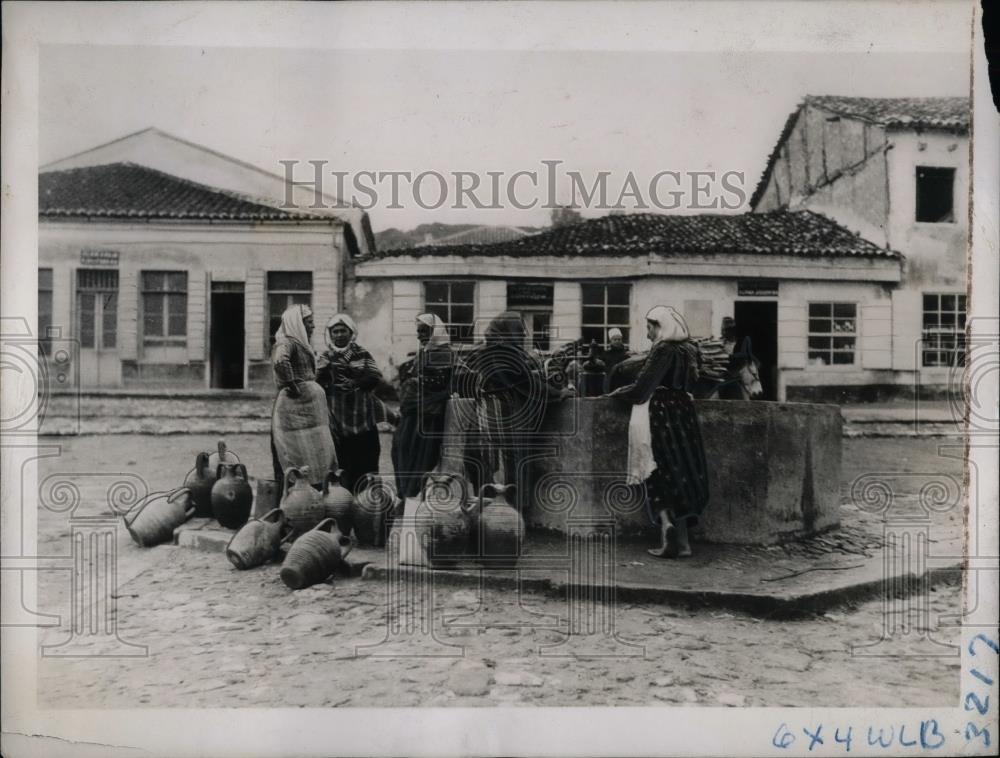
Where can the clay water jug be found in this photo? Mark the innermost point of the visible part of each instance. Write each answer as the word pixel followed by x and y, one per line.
pixel 257 541
pixel 268 497
pixel 153 519
pixel 200 480
pixel 500 527
pixel 443 516
pixel 232 496
pixel 315 555
pixel 338 502
pixel 372 504
pixel 222 454
pixel 302 504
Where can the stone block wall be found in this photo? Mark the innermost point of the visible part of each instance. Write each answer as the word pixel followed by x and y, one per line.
pixel 774 468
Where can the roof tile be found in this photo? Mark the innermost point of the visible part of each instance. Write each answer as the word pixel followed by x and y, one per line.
pixel 130 191
pixel 798 233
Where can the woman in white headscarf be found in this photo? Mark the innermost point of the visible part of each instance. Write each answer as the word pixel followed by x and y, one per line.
pixel 666 453
pixel 424 388
pixel 348 373
pixel 300 434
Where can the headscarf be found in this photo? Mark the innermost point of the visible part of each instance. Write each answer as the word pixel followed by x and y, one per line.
pixel 672 327
pixel 439 332
pixel 614 332
pixel 507 329
pixel 340 318
pixel 293 328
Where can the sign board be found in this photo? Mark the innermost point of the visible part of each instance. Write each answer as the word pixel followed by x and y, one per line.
pixel 520 294
pixel 94 257
pixel 757 287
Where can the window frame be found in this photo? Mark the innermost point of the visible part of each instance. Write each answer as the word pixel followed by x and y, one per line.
pixel 958 352
pixel 289 294
pixel 455 328
pixel 832 335
pixel 164 339
pixel 952 218
pixel 626 326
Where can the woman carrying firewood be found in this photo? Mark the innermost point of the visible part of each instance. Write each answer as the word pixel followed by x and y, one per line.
pixel 665 450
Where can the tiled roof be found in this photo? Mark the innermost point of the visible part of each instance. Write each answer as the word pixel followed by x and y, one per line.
pixel 801 233
pixel 130 191
pixel 931 113
pixel 483 235
pixel 901 112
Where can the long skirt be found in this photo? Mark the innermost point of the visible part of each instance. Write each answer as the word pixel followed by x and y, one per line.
pixel 679 485
pixel 503 448
pixel 416 450
pixel 300 433
pixel 358 455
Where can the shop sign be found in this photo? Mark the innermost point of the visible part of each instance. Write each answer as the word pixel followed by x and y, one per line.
pixel 95 257
pixel 521 294
pixel 757 288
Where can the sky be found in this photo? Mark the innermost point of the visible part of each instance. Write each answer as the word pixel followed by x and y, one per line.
pixel 465 110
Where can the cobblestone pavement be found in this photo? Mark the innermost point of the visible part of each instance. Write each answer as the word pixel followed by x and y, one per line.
pixel 217 637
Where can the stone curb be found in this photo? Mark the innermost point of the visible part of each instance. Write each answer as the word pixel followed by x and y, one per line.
pixel 789 605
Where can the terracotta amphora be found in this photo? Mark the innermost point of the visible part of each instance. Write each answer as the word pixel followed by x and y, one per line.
pixel 302 503
pixel 338 502
pixel 443 519
pixel 315 555
pixel 232 496
pixel 153 519
pixel 500 527
pixel 257 541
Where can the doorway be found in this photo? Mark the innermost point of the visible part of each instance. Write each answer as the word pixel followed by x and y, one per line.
pixel 227 336
pixel 97 328
pixel 758 320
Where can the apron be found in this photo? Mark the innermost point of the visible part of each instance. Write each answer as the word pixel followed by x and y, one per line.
pixel 641 463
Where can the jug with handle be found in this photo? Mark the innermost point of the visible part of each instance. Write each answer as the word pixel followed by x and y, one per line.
pixel 301 503
pixel 443 519
pixel 315 555
pixel 232 496
pixel 499 526
pixel 152 520
pixel 257 541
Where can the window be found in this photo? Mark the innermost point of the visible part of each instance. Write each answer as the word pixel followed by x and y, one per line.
pixel 605 306
pixel 284 289
pixel 944 330
pixel 833 331
pixel 935 195
pixel 453 303
pixel 164 307
pixel 44 308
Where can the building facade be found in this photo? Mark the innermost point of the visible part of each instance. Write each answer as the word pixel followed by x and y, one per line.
pixel 150 279
pixel 897 172
pixel 578 281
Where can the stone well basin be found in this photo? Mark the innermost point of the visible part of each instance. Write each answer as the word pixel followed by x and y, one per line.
pixel 774 468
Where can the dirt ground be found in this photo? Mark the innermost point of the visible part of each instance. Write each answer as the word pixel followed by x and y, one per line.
pixel 217 637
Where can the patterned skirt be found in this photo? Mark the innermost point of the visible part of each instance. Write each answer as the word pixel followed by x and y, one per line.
pixel 680 483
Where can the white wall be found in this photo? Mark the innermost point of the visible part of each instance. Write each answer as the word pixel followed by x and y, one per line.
pixel 204 252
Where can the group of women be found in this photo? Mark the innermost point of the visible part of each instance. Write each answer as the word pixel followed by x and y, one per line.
pixel 325 412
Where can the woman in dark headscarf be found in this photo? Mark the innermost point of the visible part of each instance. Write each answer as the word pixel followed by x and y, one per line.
pixel 511 392
pixel 348 373
pixel 424 388
pixel 665 446
pixel 300 432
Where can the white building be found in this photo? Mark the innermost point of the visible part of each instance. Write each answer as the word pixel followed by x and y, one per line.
pixel 580 280
pixel 896 171
pixel 166 264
